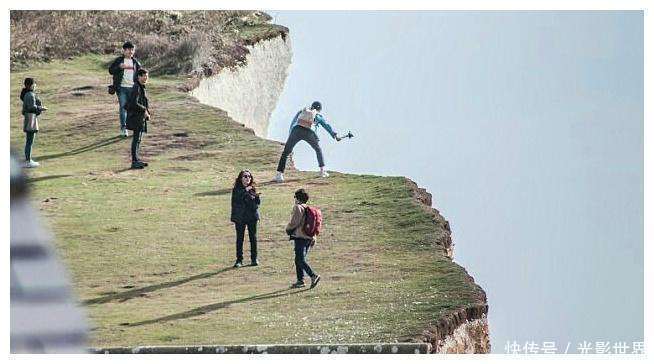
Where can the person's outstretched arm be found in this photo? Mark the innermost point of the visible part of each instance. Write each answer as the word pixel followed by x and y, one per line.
pixel 322 122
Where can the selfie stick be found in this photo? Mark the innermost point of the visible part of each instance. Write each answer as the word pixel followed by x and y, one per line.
pixel 348 135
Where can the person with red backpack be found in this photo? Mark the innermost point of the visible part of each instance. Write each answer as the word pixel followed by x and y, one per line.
pixel 303 228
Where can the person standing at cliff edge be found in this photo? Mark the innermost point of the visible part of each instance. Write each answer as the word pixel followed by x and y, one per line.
pixel 124 70
pixel 301 126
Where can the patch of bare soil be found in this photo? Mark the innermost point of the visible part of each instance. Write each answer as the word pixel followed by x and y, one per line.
pixel 196 156
pixel 157 144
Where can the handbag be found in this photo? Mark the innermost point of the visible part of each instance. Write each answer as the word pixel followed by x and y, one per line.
pixel 111 89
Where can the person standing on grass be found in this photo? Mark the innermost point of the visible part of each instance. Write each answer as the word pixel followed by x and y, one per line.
pixel 245 213
pixel 303 242
pixel 301 126
pixel 124 70
pixel 138 115
pixel 32 108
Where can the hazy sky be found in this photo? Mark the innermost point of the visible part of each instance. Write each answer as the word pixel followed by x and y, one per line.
pixel 528 130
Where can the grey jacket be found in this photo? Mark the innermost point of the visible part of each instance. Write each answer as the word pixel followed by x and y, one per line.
pixel 32 107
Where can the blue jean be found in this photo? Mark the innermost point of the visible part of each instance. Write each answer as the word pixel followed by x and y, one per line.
pixel 29 141
pixel 123 96
pixel 302 247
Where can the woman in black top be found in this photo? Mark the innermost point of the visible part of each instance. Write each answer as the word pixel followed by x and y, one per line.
pixel 245 206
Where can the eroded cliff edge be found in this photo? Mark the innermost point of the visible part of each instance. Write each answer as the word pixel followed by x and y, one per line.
pixel 464 330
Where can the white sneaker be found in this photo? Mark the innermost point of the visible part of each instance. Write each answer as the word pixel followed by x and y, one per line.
pixel 31 164
pixel 123 132
pixel 279 177
pixel 324 174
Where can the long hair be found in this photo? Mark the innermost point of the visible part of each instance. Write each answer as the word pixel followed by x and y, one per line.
pixel 29 82
pixel 238 182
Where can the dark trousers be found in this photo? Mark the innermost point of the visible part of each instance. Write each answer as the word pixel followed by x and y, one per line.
pixel 136 144
pixel 302 247
pixel 300 133
pixel 240 236
pixel 29 141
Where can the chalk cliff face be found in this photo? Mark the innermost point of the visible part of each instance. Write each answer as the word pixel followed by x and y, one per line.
pixel 249 94
pixel 468 338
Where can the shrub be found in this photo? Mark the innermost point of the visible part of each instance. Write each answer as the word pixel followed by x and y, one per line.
pixel 162 55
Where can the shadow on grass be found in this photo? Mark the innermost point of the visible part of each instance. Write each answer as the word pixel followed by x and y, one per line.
pixel 127 295
pixel 225 191
pixel 45 178
pixel 86 148
pixel 125 170
pixel 217 306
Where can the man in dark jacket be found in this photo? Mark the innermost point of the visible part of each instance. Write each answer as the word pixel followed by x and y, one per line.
pixel 138 115
pixel 124 70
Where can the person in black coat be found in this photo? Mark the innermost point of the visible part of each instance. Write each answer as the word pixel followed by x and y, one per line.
pixel 124 71
pixel 245 213
pixel 138 115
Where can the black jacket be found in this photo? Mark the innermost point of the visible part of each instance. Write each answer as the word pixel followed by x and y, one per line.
pixel 137 104
pixel 245 205
pixel 117 72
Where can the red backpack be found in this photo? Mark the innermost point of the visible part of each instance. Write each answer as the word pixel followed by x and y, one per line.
pixel 312 221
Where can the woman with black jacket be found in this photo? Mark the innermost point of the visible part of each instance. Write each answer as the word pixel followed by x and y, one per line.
pixel 245 213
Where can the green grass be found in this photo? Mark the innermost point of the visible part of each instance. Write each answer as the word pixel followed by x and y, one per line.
pixel 150 250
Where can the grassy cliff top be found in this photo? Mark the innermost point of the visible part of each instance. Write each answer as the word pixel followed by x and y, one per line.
pixel 150 250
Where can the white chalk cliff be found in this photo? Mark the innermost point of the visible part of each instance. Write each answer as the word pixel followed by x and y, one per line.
pixel 249 94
